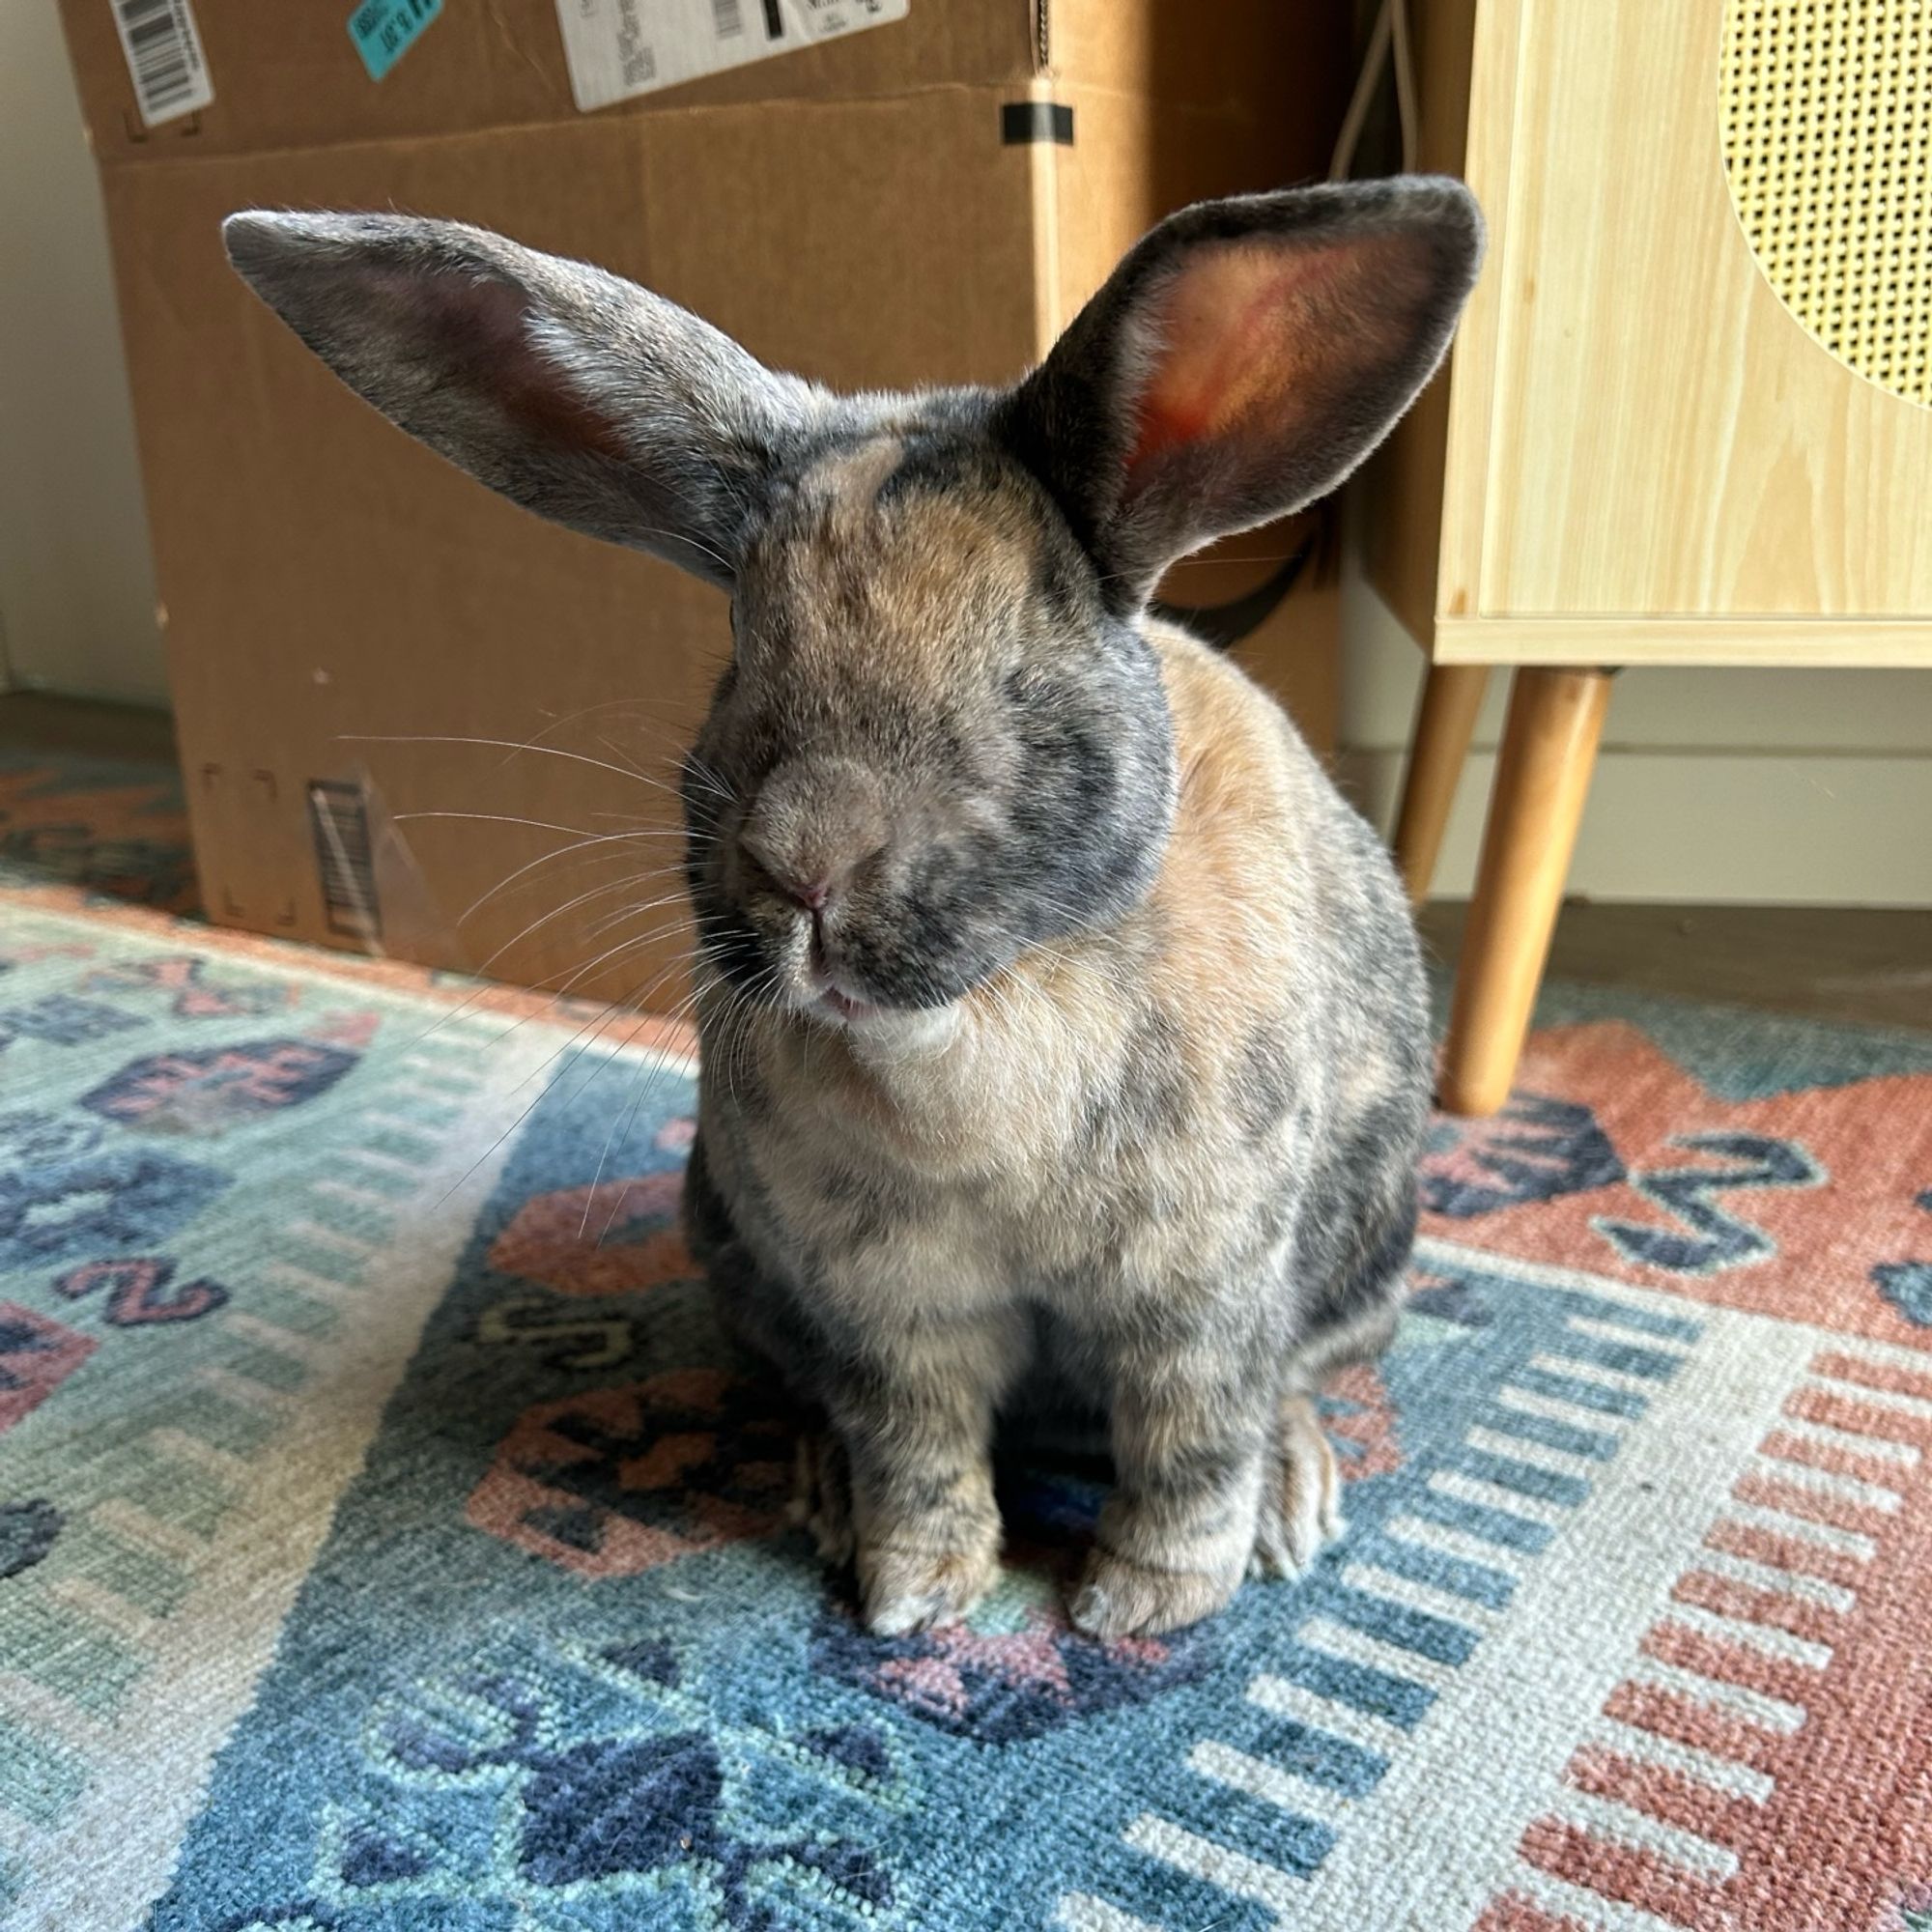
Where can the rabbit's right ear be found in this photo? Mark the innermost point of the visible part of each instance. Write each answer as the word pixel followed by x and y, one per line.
pixel 578 394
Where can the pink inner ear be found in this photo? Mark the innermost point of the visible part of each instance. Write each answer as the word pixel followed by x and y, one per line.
pixel 1238 330
pixel 482 329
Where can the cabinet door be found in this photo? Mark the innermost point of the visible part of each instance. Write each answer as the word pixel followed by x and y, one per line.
pixel 1659 434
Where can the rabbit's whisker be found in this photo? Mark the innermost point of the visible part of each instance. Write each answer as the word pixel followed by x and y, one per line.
pixel 501 744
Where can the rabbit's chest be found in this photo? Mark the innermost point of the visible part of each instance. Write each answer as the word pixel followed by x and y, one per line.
pixel 882 1234
pixel 866 1214
pixel 959 1183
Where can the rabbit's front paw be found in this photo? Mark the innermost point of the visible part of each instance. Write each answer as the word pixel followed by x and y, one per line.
pixel 1301 1505
pixel 1121 1598
pixel 915 1589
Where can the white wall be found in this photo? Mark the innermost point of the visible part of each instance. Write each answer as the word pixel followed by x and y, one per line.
pixel 1755 785
pixel 77 586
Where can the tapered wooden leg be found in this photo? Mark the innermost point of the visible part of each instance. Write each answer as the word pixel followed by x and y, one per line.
pixel 1543 776
pixel 1445 718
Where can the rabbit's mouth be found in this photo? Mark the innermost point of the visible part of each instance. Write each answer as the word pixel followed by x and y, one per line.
pixel 883 1035
pixel 845 1006
pixel 829 1001
pixel 822 989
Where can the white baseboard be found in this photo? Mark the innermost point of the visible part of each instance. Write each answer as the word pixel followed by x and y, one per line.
pixel 1745 827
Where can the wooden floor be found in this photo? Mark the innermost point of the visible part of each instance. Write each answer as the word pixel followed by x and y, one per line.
pixel 31 721
pixel 1832 962
pixel 1845 963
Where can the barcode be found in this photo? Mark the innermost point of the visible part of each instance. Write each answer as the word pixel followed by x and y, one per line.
pixel 636 60
pixel 163 57
pixel 339 817
pixel 617 49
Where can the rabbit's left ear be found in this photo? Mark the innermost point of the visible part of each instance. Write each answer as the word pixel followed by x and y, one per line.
pixel 1241 361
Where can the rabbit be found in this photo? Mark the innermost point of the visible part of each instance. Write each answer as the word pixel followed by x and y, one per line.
pixel 1063 1036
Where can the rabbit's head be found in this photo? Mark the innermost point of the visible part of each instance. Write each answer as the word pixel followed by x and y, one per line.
pixel 942 735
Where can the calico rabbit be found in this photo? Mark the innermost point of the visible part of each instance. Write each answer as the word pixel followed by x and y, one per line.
pixel 1063 1037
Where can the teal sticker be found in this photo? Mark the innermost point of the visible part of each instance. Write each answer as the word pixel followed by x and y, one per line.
pixel 384 30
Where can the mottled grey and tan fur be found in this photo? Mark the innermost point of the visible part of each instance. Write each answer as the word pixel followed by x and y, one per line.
pixel 1065 1038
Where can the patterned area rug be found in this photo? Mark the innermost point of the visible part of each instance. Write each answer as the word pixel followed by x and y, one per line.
pixel 389 1544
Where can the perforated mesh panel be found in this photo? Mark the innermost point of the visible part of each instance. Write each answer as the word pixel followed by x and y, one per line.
pixel 1826 109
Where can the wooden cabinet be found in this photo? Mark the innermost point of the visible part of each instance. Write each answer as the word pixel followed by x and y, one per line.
pixel 1654 447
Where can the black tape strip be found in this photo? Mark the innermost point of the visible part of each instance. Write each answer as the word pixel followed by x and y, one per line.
pixel 1225 625
pixel 1026 121
pixel 775 26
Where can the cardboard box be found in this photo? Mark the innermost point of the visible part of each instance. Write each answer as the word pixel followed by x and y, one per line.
pixel 926 200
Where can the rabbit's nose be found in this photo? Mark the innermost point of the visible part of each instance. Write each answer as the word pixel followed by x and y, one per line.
pixel 815 887
pixel 814 828
pixel 813 895
pixel 809 879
